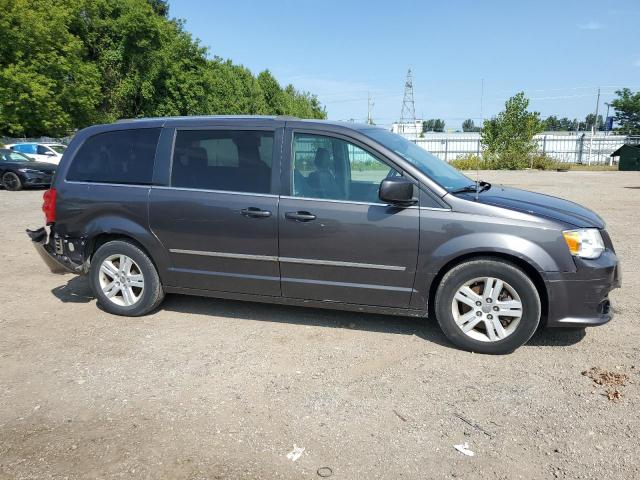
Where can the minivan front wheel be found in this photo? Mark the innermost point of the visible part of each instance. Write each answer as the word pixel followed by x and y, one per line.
pixel 124 279
pixel 487 306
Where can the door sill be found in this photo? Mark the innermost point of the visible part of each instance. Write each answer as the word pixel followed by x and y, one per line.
pixel 327 304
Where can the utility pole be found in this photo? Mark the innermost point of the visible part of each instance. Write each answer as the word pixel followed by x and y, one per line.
pixel 594 127
pixel 408 112
pixel 606 119
pixel 481 126
pixel 370 105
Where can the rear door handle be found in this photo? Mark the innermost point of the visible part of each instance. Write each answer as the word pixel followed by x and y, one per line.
pixel 300 216
pixel 254 212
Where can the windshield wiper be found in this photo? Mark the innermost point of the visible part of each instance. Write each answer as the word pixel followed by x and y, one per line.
pixel 474 188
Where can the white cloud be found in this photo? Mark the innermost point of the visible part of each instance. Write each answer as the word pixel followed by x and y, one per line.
pixel 591 26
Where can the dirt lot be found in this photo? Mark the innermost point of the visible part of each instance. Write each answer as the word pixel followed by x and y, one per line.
pixel 213 389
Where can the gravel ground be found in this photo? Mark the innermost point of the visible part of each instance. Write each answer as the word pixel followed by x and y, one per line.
pixel 217 389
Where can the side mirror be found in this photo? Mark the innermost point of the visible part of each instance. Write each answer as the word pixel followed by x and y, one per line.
pixel 397 191
pixel 49 153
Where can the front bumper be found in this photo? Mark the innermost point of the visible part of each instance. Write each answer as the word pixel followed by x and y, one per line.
pixel 56 252
pixel 581 298
pixel 37 179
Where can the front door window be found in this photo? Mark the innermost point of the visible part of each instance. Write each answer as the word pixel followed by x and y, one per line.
pixel 330 168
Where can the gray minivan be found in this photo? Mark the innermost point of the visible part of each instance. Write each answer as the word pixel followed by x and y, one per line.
pixel 321 214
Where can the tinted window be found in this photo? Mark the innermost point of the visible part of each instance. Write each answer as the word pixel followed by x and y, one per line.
pixel 11 156
pixel 332 168
pixel 120 156
pixel 42 150
pixel 229 160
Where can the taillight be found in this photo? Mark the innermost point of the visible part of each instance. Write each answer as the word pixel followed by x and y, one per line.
pixel 49 205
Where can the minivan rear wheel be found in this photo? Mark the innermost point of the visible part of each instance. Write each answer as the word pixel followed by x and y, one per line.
pixel 487 306
pixel 124 279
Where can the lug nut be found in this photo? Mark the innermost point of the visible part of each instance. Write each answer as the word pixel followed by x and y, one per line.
pixel 495 309
pixel 490 317
pixel 488 300
pixel 478 313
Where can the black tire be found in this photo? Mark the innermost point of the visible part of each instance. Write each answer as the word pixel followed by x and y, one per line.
pixel 152 293
pixel 11 181
pixel 488 267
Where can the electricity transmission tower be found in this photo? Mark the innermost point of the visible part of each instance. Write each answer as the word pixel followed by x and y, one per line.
pixel 408 113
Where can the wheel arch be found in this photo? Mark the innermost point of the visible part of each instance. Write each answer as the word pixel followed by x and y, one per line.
pixel 101 232
pixel 528 268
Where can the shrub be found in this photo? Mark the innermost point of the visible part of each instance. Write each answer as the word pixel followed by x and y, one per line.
pixel 469 162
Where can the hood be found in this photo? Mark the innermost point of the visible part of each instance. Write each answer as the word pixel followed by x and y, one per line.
pixel 539 204
pixel 40 166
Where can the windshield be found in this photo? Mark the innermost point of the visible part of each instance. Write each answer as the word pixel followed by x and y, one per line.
pixel 437 170
pixel 11 156
pixel 58 148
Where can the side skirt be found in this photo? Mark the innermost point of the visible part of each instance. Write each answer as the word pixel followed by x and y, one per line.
pixel 327 304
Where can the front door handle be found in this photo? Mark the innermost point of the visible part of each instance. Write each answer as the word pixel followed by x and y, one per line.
pixel 254 212
pixel 300 216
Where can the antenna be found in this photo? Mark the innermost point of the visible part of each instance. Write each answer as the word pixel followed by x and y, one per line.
pixel 408 113
pixel 482 126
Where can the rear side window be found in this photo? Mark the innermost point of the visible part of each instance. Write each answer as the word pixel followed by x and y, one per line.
pixel 120 156
pixel 25 148
pixel 228 160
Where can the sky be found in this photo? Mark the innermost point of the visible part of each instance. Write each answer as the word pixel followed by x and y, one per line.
pixel 557 52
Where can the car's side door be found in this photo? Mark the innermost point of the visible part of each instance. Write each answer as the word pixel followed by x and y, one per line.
pixel 217 212
pixel 338 241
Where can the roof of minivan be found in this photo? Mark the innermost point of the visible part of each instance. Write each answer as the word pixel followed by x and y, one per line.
pixel 279 118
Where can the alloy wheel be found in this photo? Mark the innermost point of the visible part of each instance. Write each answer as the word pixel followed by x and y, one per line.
pixel 121 280
pixel 487 309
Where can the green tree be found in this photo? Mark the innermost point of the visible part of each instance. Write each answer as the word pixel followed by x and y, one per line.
pixel 508 137
pixel 469 126
pixel 433 125
pixel 45 86
pixel 590 119
pixel 66 64
pixel 627 112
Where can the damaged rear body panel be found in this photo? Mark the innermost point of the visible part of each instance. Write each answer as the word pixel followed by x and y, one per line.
pixel 61 255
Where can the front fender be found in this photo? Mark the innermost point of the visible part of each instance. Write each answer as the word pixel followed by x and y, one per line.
pixel 502 243
pixel 544 252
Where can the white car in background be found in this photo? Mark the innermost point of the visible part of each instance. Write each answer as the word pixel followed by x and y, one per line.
pixel 42 152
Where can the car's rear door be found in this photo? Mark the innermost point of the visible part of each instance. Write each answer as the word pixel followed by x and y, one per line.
pixel 216 211
pixel 338 241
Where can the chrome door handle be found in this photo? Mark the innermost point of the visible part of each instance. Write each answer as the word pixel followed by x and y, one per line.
pixel 254 212
pixel 300 216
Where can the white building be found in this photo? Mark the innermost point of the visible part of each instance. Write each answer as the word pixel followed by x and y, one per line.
pixel 409 129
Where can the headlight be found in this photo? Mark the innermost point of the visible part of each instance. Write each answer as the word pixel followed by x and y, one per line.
pixel 584 243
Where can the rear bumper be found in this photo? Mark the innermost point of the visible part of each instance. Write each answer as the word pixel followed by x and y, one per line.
pixel 53 252
pixel 581 299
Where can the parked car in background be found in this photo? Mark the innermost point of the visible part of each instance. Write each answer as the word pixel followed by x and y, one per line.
pixel 18 171
pixel 43 152
pixel 321 214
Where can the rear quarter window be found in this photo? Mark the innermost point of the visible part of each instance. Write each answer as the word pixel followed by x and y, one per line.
pixel 119 156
